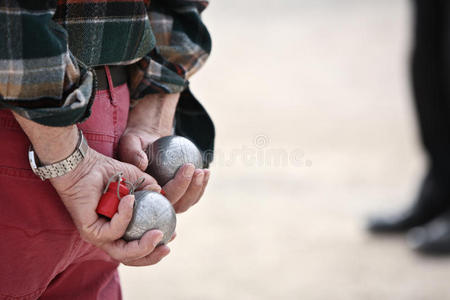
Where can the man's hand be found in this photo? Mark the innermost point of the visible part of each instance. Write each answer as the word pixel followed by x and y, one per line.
pixel 149 120
pixel 81 189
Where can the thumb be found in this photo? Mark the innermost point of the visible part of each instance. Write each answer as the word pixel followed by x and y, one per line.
pixel 116 227
pixel 130 151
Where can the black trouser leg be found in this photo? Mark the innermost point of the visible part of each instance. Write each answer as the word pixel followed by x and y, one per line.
pixel 431 83
pixel 430 69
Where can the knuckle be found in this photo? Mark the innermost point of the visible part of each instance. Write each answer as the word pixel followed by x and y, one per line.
pixel 129 256
pixel 119 257
pixel 92 237
pixel 157 259
pixel 113 234
pixel 148 261
pixel 85 236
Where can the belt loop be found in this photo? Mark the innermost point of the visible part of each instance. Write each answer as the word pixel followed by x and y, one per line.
pixel 110 85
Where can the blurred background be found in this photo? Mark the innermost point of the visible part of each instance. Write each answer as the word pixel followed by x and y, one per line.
pixel 315 131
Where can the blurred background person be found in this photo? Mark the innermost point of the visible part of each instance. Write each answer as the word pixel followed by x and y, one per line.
pixel 428 219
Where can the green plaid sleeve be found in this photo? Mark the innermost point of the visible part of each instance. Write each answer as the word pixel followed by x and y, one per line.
pixel 39 78
pixel 183 45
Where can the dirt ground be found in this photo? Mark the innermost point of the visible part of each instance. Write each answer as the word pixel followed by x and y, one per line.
pixel 315 131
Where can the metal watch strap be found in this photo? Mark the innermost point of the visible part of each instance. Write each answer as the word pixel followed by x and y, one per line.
pixel 62 167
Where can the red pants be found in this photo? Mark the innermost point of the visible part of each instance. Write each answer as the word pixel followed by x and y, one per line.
pixel 41 252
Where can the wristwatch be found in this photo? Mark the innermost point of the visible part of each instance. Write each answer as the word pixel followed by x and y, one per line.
pixel 61 167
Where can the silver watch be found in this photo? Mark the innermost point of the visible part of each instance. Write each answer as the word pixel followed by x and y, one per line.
pixel 61 167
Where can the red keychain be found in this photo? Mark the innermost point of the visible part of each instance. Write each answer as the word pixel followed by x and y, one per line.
pixel 114 191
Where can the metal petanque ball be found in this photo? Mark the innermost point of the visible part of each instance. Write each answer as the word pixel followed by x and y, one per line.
pixel 167 154
pixel 151 211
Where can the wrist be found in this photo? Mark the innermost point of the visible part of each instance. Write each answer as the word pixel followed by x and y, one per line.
pixel 51 144
pixel 62 167
pixel 154 114
pixel 62 144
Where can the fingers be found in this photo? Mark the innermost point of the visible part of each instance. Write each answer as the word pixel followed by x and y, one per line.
pixel 187 187
pixel 130 151
pixel 176 187
pixel 133 174
pixel 151 259
pixel 205 183
pixel 116 228
pixel 174 235
pixel 192 194
pixel 126 252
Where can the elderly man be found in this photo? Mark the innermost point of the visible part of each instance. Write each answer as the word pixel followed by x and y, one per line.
pixel 69 73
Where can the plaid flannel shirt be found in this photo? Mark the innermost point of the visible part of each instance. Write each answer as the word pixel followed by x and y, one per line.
pixel 47 49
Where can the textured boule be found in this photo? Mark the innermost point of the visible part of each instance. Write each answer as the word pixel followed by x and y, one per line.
pixel 151 211
pixel 167 154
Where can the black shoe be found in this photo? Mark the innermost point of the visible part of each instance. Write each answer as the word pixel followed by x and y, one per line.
pixel 432 238
pixel 432 201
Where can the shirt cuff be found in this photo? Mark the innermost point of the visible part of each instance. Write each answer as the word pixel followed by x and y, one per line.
pixel 152 76
pixel 75 107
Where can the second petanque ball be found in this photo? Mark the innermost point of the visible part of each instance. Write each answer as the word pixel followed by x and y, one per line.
pixel 151 211
pixel 167 154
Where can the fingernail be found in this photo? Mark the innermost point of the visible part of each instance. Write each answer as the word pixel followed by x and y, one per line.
pixel 189 171
pixel 141 160
pixel 131 201
pixel 168 251
pixel 198 177
pixel 158 239
pixel 155 187
pixel 207 173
